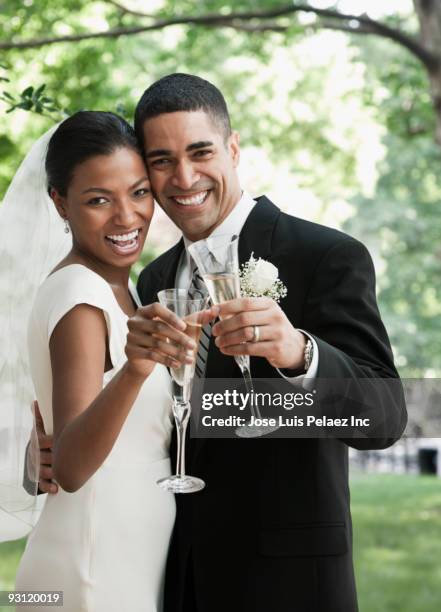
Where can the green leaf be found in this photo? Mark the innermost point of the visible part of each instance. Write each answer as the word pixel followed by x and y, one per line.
pixel 40 90
pixel 27 93
pixel 25 105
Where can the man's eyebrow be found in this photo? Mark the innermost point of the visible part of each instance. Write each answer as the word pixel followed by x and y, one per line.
pixel 158 153
pixel 167 152
pixel 199 145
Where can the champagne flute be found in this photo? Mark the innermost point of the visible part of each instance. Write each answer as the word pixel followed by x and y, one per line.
pixel 217 259
pixel 191 311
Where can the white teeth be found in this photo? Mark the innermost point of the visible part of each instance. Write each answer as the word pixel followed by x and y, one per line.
pixel 196 199
pixel 124 237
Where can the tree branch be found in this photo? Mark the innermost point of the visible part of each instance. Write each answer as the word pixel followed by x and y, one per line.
pixel 233 20
pixel 367 25
pixel 362 24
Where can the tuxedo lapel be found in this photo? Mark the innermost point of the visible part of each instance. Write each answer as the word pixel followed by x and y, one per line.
pixel 256 234
pixel 168 272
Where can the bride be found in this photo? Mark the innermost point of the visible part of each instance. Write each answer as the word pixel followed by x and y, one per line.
pixel 103 539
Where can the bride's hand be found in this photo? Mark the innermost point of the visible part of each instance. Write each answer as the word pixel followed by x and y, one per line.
pixel 157 335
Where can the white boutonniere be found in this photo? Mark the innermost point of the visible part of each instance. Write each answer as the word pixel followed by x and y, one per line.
pixel 259 278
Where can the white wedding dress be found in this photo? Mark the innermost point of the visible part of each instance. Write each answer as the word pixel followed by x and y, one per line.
pixel 105 546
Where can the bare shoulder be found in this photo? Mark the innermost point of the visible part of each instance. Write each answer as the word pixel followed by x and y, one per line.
pixel 82 330
pixel 78 361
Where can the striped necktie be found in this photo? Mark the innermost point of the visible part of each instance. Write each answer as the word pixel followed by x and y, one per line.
pixel 196 290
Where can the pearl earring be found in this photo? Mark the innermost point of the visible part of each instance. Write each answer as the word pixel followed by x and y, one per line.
pixel 66 226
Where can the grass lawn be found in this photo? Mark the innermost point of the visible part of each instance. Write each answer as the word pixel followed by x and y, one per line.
pixel 397 544
pixel 10 553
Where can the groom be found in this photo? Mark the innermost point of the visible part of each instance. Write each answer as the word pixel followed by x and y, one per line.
pixel 272 528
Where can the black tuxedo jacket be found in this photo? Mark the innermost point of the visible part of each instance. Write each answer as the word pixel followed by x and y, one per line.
pixel 272 528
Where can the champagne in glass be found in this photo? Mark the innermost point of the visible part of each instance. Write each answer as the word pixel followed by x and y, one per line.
pixel 222 287
pixel 191 311
pixel 185 372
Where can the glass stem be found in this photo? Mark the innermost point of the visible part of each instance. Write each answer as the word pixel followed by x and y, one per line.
pixel 244 364
pixel 181 413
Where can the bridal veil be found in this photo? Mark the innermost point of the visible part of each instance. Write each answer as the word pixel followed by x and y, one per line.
pixel 32 242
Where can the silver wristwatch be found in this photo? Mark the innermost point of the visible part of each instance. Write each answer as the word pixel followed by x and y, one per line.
pixel 308 354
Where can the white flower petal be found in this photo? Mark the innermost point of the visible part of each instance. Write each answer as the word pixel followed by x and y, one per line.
pixel 263 275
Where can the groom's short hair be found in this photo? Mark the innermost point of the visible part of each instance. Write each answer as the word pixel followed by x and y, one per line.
pixel 182 92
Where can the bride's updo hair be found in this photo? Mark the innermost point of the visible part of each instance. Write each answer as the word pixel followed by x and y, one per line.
pixel 80 137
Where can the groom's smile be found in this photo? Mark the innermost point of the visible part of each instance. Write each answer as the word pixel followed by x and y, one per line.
pixel 192 168
pixel 192 200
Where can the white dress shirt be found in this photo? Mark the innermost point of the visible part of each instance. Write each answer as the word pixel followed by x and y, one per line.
pixel 232 225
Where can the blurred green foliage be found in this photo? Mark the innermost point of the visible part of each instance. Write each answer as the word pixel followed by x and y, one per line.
pixel 103 74
pixel 402 220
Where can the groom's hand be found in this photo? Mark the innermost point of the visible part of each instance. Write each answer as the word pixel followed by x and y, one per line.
pixel 45 484
pixel 279 342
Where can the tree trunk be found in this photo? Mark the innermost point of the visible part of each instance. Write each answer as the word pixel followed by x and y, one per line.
pixel 429 16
